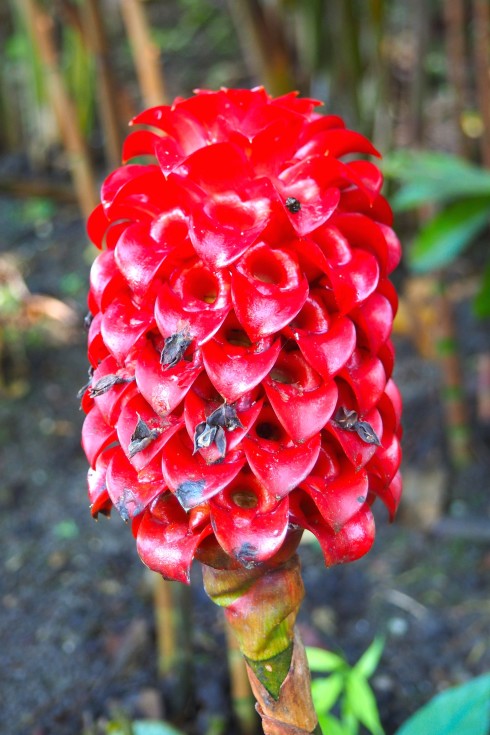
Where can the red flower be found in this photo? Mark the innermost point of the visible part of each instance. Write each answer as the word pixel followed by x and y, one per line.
pixel 239 339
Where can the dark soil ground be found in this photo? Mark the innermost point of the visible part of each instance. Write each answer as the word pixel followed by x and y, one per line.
pixel 77 638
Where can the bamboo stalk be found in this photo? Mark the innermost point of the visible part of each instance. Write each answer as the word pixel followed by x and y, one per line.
pixel 264 45
pixel 421 20
pixel 94 32
pixel 174 642
pixel 40 28
pixel 241 694
pixel 455 406
pixel 454 14
pixel 146 55
pixel 481 25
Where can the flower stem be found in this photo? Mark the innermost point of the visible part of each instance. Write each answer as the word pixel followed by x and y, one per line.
pixel 261 606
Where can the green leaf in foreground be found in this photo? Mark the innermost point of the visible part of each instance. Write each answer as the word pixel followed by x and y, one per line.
pixel 449 233
pixel 361 702
pixel 326 691
pixel 331 725
pixel 463 710
pixel 322 661
pixel 368 663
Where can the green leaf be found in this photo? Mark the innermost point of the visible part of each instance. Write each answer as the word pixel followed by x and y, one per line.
pixel 481 303
pixel 331 725
pixel 448 234
pixel 368 663
pixel 361 702
pixel 462 710
pixel 325 692
pixel 321 660
pixel 154 727
pixel 433 176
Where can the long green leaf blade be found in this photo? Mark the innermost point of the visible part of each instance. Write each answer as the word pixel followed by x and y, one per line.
pixel 325 692
pixel 361 702
pixel 321 660
pixel 448 234
pixel 368 663
pixel 462 710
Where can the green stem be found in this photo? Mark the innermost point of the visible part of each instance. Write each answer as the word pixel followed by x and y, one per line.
pixel 261 606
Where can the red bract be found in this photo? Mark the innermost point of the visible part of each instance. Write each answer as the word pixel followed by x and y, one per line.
pixel 240 334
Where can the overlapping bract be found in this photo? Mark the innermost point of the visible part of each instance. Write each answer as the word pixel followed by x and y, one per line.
pixel 239 338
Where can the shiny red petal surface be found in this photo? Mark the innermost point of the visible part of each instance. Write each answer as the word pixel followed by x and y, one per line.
pixel 340 499
pixel 140 143
pixel 162 386
pixel 317 205
pixel 168 548
pixel 245 531
pixel 123 325
pixel 97 349
pixel 139 256
pixel 268 290
pixel 374 320
pixel 302 402
pixel 109 402
pixel 142 197
pixel 394 248
pixel 96 435
pixel 226 227
pixel 129 493
pixel 328 352
pixel 97 225
pixel 354 281
pixel 279 465
pixel 350 543
pixel 106 282
pixel 369 174
pixel 386 461
pixel 389 494
pixel 100 501
pixel 179 124
pixel 361 232
pixel 339 142
pixel 234 369
pixel 189 477
pixel 164 428
pixel 197 301
pixel 366 376
pixel 356 450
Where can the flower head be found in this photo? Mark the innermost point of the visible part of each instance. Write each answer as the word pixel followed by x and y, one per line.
pixel 239 336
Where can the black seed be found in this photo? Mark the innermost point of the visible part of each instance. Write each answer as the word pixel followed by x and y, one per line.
pixel 293 204
pixel 141 437
pixel 128 498
pixel 87 385
pixel 220 441
pixel 366 432
pixel 246 555
pixel 349 421
pixel 189 493
pixel 225 416
pixel 106 383
pixel 346 419
pixel 174 348
pixel 204 436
